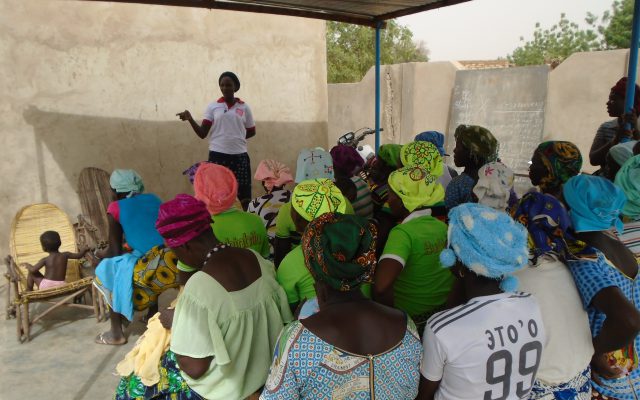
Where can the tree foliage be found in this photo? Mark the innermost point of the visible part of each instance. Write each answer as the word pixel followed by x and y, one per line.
pixel 617 33
pixel 351 49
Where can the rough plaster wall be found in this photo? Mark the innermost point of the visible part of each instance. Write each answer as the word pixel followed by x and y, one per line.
pixel 577 97
pixel 99 84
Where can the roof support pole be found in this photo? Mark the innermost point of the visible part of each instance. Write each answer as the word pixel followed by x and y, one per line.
pixel 378 27
pixel 633 60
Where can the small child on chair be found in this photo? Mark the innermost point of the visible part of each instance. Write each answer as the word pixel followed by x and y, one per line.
pixel 55 264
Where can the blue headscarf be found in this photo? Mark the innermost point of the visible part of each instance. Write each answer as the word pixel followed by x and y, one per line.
pixel 488 242
pixel 434 137
pixel 595 203
pixel 126 181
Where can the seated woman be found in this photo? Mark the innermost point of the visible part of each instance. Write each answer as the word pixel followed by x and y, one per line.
pixel 564 370
pixel 495 186
pixel 346 165
pixel 475 146
pixel 552 164
pixel 410 276
pixel 606 275
pixel 342 352
pixel 217 187
pixel 437 139
pixel 134 280
pixel 226 321
pixel 310 199
pixel 489 347
pixel 628 179
pixel 274 176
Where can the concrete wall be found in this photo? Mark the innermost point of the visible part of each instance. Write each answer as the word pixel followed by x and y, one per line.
pixel 417 97
pixel 98 84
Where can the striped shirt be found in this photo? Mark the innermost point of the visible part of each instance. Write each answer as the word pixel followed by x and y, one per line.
pixel 363 204
pixel 631 237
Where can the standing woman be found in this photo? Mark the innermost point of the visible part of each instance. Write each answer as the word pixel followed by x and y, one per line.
pixel 230 121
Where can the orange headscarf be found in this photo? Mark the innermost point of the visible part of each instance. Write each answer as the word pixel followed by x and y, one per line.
pixel 216 186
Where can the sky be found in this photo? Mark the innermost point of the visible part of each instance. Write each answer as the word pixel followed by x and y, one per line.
pixel 488 29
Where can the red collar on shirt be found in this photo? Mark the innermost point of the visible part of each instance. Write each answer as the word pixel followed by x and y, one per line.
pixel 235 100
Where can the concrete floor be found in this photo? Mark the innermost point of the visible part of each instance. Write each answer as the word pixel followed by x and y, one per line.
pixel 61 361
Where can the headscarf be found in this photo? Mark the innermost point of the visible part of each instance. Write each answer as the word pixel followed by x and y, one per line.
pixel 416 187
pixel 315 197
pixel 562 161
pixel 273 174
pixel 422 154
pixel 234 78
pixel 314 164
pixel 434 137
pixel 547 221
pixel 488 242
pixel 595 203
pixel 216 186
pixel 622 151
pixel 340 250
pixel 390 154
pixel 628 178
pixel 620 88
pixel 346 159
pixel 191 171
pixel 495 181
pixel 182 219
pixel 482 145
pixel 126 181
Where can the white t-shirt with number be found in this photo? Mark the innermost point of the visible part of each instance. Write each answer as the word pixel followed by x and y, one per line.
pixel 488 348
pixel 228 133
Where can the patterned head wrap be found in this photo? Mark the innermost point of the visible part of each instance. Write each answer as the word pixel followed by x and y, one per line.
pixel 390 154
pixel 488 242
pixel 216 186
pixel 434 137
pixel 482 145
pixel 495 181
pixel 191 171
pixel 620 89
pixel 628 178
pixel 562 161
pixel 234 78
pixel 314 164
pixel 595 203
pixel 340 250
pixel 182 219
pixel 126 181
pixel 416 187
pixel 346 159
pixel 422 154
pixel 313 198
pixel 273 174
pixel 622 151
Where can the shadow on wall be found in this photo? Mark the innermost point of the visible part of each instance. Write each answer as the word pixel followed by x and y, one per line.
pixel 158 150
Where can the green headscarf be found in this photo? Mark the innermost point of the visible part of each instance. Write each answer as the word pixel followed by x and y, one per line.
pixel 314 197
pixel 340 250
pixel 390 154
pixel 482 145
pixel 416 187
pixel 628 178
pixel 126 181
pixel 562 160
pixel 423 154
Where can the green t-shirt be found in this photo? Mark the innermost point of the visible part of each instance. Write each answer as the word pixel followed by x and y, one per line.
pixel 423 285
pixel 284 223
pixel 295 278
pixel 238 228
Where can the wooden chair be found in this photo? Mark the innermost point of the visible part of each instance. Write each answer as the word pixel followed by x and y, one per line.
pixel 27 226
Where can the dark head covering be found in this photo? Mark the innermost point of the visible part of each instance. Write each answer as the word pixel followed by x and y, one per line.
pixel 182 219
pixel 340 250
pixel 233 77
pixel 562 160
pixel 346 159
pixel 482 145
pixel 620 89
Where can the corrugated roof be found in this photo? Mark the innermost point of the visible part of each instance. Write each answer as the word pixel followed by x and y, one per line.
pixel 362 12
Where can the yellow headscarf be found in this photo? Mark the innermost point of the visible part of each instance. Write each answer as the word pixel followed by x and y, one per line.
pixel 416 187
pixel 314 197
pixel 422 154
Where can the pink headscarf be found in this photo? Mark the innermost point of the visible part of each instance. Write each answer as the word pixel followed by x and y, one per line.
pixel 216 186
pixel 182 219
pixel 273 173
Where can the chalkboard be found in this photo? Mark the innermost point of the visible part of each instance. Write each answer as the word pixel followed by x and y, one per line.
pixel 509 102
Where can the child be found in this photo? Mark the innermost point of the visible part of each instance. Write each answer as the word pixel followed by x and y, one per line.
pixel 55 264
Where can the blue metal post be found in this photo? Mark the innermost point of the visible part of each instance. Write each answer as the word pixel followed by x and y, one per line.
pixel 378 27
pixel 633 59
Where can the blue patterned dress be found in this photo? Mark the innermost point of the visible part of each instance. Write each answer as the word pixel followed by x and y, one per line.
pixel 459 191
pixel 306 367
